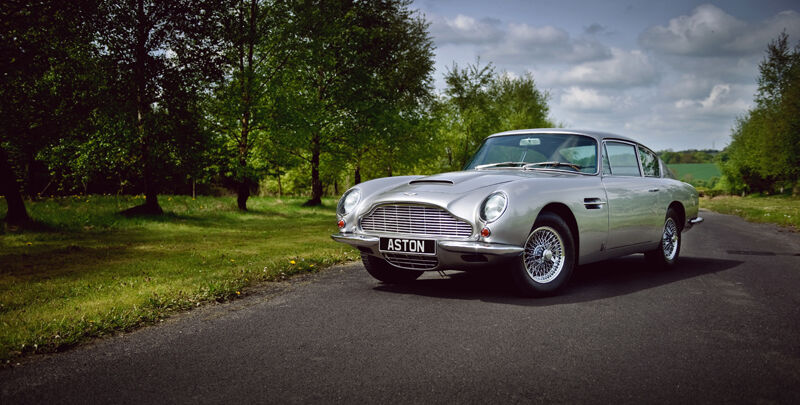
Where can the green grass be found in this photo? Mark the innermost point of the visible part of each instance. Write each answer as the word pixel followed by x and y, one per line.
pixel 781 210
pixel 698 171
pixel 88 271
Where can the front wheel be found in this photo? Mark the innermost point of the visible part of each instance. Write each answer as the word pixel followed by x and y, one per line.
pixel 383 271
pixel 669 248
pixel 548 259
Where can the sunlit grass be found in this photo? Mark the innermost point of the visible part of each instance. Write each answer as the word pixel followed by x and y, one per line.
pixel 88 271
pixel 781 210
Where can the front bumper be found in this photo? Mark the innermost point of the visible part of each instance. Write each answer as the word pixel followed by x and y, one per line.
pixel 451 254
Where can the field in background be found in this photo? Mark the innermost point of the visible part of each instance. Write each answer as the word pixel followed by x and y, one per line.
pixel 89 271
pixel 697 171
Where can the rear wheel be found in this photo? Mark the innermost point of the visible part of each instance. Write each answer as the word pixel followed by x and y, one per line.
pixel 383 271
pixel 548 259
pixel 669 248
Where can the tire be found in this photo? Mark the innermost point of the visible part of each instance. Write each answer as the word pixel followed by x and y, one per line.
pixel 385 272
pixel 547 262
pixel 669 248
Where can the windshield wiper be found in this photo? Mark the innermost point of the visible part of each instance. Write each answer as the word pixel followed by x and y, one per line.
pixel 499 164
pixel 533 165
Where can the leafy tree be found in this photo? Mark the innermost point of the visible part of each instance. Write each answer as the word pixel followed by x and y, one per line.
pixel 152 50
pixel 480 102
pixel 359 62
pixel 764 152
pixel 258 42
pixel 47 87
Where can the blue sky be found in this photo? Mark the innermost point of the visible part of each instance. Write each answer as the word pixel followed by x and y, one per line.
pixel 672 74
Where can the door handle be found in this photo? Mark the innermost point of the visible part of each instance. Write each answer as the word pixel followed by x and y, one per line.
pixel 653 190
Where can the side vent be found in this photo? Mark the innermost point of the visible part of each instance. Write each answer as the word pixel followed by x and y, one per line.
pixel 593 203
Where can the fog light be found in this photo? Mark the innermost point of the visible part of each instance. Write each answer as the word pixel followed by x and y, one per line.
pixel 485 232
pixel 340 223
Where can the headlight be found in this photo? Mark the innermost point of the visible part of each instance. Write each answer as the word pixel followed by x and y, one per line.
pixel 348 201
pixel 493 206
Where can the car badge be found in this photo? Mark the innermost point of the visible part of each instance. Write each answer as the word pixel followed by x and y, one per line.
pixel 410 194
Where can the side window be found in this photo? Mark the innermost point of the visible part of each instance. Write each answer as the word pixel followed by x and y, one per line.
pixel 649 163
pixel 606 166
pixel 622 159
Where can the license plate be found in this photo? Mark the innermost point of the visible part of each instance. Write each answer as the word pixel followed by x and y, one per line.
pixel 402 245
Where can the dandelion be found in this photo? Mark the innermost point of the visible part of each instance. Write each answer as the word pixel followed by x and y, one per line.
pixel 238 293
pixel 28 243
pixel 233 261
pixel 311 265
pixel 293 262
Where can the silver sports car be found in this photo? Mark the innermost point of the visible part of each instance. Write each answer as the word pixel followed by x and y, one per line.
pixel 538 202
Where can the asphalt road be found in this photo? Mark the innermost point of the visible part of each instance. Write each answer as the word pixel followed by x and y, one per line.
pixel 723 327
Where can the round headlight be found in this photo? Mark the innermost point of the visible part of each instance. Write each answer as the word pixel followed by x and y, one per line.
pixel 493 206
pixel 349 201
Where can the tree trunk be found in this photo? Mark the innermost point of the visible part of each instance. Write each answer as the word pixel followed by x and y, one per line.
pixel 280 188
pixel 242 193
pixel 9 187
pixel 316 183
pixel 150 206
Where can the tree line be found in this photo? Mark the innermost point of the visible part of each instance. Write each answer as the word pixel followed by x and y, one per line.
pixel 764 153
pixel 151 97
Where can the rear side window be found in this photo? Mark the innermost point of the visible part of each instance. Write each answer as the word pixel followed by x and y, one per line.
pixel 622 159
pixel 649 163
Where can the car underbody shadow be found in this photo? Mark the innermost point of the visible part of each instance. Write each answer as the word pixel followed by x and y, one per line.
pixel 596 281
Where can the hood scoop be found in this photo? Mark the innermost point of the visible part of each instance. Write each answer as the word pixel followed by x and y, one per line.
pixel 431 181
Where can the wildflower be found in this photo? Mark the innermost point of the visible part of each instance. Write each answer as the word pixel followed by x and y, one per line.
pixel 293 262
pixel 238 293
pixel 311 265
pixel 28 243
pixel 233 261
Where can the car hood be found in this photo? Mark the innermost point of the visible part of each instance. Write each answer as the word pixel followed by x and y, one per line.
pixel 459 183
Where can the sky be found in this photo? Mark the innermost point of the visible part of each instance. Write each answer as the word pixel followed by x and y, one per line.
pixel 672 74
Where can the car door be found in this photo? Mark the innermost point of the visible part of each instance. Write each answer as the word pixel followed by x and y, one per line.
pixel 630 196
pixel 651 169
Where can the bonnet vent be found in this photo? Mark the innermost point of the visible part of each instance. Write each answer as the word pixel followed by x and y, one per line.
pixel 424 181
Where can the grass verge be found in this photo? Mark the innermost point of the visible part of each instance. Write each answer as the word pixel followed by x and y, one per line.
pixel 88 271
pixel 781 210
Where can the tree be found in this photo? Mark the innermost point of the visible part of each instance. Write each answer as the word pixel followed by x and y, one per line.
pixel 764 153
pixel 480 102
pixel 47 87
pixel 150 48
pixel 359 63
pixel 258 44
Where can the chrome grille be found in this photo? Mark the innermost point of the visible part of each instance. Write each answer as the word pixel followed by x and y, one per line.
pixel 415 220
pixel 415 262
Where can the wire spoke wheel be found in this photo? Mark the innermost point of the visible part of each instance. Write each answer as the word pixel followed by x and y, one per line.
pixel 544 255
pixel 669 239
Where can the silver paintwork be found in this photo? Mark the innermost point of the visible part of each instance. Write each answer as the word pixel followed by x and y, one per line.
pixel 615 216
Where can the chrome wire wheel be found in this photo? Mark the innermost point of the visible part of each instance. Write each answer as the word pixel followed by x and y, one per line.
pixel 544 255
pixel 670 240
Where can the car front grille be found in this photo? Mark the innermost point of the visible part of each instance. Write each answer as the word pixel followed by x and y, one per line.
pixel 415 220
pixel 414 262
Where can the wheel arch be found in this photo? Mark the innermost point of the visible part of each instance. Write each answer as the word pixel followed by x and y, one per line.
pixel 680 210
pixel 566 214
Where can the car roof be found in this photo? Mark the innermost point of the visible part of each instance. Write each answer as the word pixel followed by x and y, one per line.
pixel 598 135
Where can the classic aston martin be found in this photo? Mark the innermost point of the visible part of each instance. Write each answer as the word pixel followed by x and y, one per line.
pixel 537 202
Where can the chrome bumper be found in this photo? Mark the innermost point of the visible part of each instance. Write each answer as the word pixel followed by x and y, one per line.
pixel 692 222
pixel 451 254
pixel 467 247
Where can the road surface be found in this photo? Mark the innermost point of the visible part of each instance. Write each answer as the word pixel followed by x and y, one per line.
pixel 723 327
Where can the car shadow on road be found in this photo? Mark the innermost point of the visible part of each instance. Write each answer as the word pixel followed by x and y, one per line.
pixel 595 281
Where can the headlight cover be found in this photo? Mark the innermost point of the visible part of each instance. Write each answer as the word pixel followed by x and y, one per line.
pixel 493 206
pixel 348 201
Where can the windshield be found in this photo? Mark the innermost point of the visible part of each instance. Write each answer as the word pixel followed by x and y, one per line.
pixel 575 153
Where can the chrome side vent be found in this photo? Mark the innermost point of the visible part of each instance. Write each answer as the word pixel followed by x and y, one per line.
pixel 593 203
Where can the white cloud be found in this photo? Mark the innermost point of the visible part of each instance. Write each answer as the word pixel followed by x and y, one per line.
pixel 576 98
pixel 710 31
pixel 624 69
pixel 722 100
pixel 465 30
